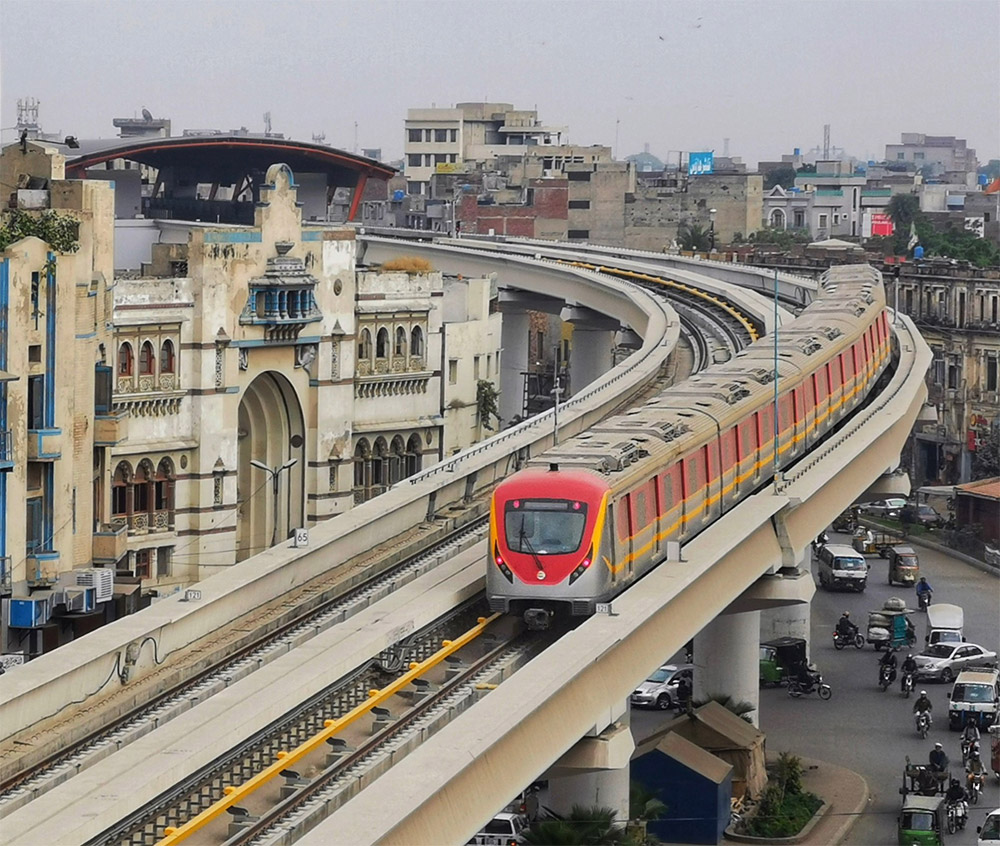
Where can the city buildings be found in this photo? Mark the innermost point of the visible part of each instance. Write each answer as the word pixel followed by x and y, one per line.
pixel 188 409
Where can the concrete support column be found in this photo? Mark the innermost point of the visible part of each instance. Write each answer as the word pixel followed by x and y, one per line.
pixel 593 351
pixel 604 788
pixel 789 620
pixel 727 659
pixel 514 341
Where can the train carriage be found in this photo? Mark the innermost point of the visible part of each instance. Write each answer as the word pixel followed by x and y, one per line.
pixel 594 514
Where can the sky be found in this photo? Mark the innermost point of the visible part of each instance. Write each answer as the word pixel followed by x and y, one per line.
pixel 678 75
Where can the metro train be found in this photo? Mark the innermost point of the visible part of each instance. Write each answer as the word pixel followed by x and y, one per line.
pixel 587 518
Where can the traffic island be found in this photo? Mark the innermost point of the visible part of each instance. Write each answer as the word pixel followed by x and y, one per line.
pixel 844 797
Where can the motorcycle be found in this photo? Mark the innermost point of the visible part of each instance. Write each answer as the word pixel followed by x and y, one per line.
pixel 796 688
pixel 958 815
pixel 906 684
pixel 923 724
pixel 967 746
pixel 884 677
pixel 924 599
pixel 822 540
pixel 840 641
pixel 975 788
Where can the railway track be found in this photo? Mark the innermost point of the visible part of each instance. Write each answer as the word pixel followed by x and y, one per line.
pixel 189 798
pixel 78 757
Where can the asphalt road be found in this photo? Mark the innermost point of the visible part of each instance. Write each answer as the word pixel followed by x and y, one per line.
pixel 861 727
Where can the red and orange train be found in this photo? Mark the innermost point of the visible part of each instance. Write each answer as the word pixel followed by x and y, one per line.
pixel 589 517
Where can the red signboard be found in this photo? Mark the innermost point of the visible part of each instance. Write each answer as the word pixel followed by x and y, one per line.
pixel 881 224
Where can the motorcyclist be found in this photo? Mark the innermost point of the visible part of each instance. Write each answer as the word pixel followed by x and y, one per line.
pixel 955 792
pixel 974 766
pixel 923 705
pixel 845 628
pixel 923 587
pixel 970 734
pixel 888 659
pixel 938 759
pixel 805 677
pixel 908 668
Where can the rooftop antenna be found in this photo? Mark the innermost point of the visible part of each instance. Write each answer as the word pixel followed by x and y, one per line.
pixel 826 141
pixel 267 123
pixel 618 123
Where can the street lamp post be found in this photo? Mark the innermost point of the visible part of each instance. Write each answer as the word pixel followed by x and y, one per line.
pixel 275 473
pixel 711 229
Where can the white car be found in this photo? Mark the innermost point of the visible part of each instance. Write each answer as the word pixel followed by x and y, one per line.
pixel 989 831
pixel 503 830
pixel 889 507
pixel 944 661
pixel 660 689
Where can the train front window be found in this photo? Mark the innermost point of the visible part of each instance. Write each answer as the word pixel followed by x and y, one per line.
pixel 545 526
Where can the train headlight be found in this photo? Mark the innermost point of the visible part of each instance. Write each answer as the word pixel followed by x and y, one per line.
pixel 502 565
pixel 581 567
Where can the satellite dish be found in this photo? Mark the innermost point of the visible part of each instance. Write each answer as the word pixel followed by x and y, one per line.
pixel 146 114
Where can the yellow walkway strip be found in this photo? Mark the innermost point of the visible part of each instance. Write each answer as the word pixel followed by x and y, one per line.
pixel 235 795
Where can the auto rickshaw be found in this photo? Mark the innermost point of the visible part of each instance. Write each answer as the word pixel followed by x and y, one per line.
pixel 922 820
pixel 891 626
pixel 868 542
pixel 846 520
pixel 995 750
pixel 904 566
pixel 778 656
pixel 923 817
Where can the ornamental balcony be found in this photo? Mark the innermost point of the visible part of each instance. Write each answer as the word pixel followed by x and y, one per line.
pixel 283 299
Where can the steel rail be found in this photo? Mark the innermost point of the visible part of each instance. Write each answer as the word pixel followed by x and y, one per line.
pixel 332 728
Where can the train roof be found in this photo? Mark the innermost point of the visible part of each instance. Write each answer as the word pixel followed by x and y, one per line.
pixel 576 480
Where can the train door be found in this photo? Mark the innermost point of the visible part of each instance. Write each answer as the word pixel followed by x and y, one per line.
pixel 622 513
pixel 730 470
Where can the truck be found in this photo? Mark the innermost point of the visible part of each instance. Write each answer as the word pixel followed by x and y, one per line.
pixel 944 624
pixel 890 627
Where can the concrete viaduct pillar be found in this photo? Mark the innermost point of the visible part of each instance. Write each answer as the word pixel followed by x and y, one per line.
pixel 594 772
pixel 727 659
pixel 515 343
pixel 792 620
pixel 593 344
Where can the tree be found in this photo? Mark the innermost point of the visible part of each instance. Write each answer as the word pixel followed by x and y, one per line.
pixel 486 403
pixel 783 176
pixel 903 209
pixel 986 459
pixel 693 236
pixel 59 231
pixel 585 826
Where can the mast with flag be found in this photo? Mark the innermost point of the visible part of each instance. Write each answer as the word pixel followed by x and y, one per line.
pixel 914 240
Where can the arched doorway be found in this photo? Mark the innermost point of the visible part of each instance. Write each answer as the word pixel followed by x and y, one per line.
pixel 272 431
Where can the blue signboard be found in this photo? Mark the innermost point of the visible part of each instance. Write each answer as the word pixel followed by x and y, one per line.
pixel 699 163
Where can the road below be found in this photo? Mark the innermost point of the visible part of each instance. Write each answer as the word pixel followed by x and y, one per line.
pixel 863 728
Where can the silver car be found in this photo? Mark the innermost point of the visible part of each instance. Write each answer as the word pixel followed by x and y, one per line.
pixel 889 507
pixel 944 661
pixel 660 689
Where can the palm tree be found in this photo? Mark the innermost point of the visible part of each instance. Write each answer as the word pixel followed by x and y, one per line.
pixel 585 826
pixel 694 236
pixel 903 209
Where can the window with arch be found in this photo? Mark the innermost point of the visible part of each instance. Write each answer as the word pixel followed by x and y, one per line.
pixel 382 343
pixel 126 360
pixel 146 359
pixel 120 493
pixel 413 457
pixel 777 219
pixel 141 495
pixel 417 341
pixel 397 460
pixel 163 495
pixel 362 471
pixel 167 356
pixel 380 466
pixel 399 350
pixel 365 346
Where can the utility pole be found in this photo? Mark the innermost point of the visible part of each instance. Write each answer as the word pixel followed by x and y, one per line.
pixel 275 474
pixel 556 391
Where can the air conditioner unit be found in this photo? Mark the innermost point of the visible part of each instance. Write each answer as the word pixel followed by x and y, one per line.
pixel 30 613
pixel 101 580
pixel 80 599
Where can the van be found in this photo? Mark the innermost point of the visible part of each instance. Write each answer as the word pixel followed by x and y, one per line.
pixel 944 624
pixel 842 567
pixel 974 698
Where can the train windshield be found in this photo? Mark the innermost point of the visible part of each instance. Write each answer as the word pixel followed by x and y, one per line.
pixel 545 526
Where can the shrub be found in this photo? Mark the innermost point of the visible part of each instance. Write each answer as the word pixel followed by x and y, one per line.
pixel 784 807
pixel 409 264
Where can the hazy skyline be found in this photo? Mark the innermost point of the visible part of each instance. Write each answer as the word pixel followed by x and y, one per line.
pixel 678 76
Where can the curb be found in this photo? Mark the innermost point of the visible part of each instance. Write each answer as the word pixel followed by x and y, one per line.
pixel 801 837
pixel 937 547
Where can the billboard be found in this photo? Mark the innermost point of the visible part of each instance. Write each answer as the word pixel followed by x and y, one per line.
pixel 450 167
pixel 700 163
